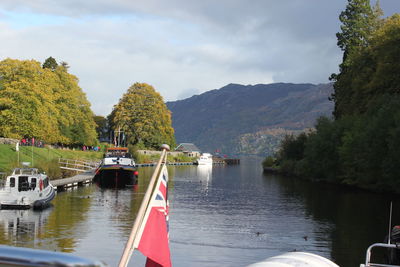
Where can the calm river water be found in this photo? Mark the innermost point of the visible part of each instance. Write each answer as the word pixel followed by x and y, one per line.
pixel 219 216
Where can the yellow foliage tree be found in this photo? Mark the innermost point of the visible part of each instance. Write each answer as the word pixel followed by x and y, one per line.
pixel 143 116
pixel 43 103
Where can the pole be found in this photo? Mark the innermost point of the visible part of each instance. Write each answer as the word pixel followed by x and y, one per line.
pixel 142 210
pixel 32 154
pixel 390 221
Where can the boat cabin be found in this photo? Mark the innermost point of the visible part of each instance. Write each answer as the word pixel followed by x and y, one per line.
pixel 119 152
pixel 25 179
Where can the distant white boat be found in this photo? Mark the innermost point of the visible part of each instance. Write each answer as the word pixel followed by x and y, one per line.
pixel 205 159
pixel 26 188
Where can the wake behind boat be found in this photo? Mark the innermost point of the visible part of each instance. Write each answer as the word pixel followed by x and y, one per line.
pixel 117 169
pixel 26 188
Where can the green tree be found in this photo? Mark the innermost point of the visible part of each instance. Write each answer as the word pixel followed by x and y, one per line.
pixel 359 21
pixel 373 73
pixel 357 25
pixel 50 63
pixel 143 116
pixel 101 127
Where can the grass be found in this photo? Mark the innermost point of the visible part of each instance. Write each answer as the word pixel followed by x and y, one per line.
pixel 45 159
pixel 140 158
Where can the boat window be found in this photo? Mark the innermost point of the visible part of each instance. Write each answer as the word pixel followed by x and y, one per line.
pixel 33 183
pixel 23 184
pixel 45 182
pixel 12 182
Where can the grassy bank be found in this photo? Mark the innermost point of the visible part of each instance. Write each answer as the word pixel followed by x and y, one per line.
pixel 46 159
pixel 140 158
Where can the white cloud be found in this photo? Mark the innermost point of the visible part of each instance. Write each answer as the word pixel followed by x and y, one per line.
pixel 175 45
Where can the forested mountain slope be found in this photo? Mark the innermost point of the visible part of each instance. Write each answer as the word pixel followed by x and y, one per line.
pixel 248 119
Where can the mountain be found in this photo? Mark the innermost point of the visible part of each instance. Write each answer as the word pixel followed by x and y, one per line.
pixel 249 119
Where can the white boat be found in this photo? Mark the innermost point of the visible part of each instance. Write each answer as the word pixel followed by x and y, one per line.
pixel 26 188
pixel 205 159
pixel 295 259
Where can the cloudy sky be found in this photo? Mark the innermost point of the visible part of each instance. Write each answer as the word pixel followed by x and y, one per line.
pixel 181 47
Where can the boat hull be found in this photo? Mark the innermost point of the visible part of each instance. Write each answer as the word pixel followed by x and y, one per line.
pixel 115 176
pixel 38 204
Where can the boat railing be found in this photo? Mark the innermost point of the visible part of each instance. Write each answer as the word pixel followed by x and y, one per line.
pixel 27 171
pixel 16 256
pixel 368 262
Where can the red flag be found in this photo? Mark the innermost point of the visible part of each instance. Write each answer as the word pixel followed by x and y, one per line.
pixel 152 238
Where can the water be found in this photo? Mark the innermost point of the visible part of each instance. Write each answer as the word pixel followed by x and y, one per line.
pixel 219 216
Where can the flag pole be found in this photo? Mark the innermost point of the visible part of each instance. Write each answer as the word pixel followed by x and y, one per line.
pixel 142 210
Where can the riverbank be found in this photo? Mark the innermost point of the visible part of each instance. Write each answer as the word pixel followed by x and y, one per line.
pixel 44 158
pixel 375 188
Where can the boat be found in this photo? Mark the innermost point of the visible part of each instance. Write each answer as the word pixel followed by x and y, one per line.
pixel 295 259
pixel 390 257
pixel 391 248
pixel 205 159
pixel 23 257
pixel 26 188
pixel 117 169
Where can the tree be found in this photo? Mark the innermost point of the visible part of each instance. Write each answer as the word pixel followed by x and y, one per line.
pixel 101 127
pixel 143 116
pixel 50 63
pixel 373 73
pixel 43 103
pixel 357 24
pixel 359 21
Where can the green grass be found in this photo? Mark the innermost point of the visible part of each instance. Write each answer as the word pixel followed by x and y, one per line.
pixel 45 159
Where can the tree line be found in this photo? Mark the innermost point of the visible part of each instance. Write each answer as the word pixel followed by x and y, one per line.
pixel 45 102
pixel 360 145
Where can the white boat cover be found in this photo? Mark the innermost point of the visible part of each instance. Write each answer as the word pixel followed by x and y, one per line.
pixel 295 259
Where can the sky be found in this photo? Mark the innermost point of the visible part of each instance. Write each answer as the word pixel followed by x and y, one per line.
pixel 180 47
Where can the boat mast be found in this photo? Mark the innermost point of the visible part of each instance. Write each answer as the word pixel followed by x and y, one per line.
pixel 117 137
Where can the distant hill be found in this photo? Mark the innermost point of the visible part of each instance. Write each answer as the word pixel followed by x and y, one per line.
pixel 248 119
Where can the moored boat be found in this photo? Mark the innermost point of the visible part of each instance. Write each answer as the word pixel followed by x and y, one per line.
pixel 26 188
pixel 117 169
pixel 205 159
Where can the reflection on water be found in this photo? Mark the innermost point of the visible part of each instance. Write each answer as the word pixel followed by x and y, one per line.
pixel 204 174
pixel 22 227
pixel 219 216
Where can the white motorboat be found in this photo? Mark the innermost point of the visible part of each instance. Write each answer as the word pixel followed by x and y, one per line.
pixel 295 259
pixel 205 159
pixel 26 188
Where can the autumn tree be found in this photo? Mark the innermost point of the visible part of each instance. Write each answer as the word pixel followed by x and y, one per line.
pixel 43 103
pixel 143 116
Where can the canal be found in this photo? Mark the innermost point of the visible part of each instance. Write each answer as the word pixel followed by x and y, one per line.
pixel 219 216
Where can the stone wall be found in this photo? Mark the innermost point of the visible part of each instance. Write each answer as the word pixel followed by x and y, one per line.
pixel 8 141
